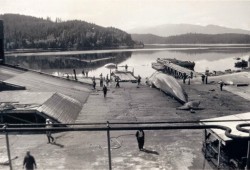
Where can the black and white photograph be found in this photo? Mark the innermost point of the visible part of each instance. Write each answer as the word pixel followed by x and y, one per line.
pixel 124 84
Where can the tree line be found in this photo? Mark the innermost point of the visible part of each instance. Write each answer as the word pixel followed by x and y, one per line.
pixel 28 32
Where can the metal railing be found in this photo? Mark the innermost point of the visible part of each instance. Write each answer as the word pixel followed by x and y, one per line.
pixel 99 126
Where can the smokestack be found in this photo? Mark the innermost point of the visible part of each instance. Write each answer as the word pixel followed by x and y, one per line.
pixel 1 43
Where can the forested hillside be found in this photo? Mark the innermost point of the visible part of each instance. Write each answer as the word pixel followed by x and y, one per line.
pixel 167 30
pixel 30 32
pixel 193 38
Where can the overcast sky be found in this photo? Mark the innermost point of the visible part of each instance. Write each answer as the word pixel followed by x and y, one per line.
pixel 128 14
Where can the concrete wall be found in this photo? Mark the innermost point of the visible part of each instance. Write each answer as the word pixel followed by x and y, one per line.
pixel 1 43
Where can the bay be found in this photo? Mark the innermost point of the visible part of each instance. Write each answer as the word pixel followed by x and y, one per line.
pixel 214 58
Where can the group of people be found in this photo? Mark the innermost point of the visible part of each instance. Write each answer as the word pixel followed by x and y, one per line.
pixel 29 161
pixel 204 79
pixel 185 76
pixel 104 87
pixel 85 73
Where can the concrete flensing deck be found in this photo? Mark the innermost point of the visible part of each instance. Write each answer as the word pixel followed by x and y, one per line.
pixel 179 149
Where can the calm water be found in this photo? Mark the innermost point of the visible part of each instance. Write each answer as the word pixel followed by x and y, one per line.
pixel 214 59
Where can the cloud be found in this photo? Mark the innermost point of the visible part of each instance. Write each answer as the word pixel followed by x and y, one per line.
pixel 127 14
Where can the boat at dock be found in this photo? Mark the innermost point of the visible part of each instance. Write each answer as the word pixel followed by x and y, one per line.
pixel 170 67
pixel 241 64
pixel 158 66
pixel 186 64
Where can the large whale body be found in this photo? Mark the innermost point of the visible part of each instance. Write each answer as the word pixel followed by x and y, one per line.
pixel 169 85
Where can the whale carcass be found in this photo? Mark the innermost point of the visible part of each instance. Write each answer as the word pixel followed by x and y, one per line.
pixel 169 85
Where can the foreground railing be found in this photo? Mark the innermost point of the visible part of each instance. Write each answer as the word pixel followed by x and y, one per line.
pixel 115 126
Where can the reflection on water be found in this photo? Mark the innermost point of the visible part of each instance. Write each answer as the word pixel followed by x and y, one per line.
pixel 215 59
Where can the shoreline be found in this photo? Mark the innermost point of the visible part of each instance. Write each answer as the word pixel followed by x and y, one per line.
pixel 151 47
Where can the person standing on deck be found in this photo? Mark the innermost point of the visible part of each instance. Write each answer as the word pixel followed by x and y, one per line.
pixel 139 80
pixel 206 78
pixel 202 78
pixel 101 81
pixel 107 81
pixel 104 89
pixel 184 78
pixel 126 67
pixel 49 135
pixel 191 75
pixel 117 82
pixel 221 85
pixel 83 73
pixel 29 161
pixel 140 138
pixel 94 84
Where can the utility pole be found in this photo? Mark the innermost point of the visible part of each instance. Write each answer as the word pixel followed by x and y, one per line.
pixel 1 43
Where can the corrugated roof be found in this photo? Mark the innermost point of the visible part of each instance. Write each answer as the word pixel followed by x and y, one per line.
pixel 62 108
pixel 232 125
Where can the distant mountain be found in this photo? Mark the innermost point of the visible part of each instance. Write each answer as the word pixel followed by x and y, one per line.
pixel 22 31
pixel 191 38
pixel 177 29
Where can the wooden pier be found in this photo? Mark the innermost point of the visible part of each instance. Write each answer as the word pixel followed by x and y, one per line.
pixel 174 69
pixel 125 76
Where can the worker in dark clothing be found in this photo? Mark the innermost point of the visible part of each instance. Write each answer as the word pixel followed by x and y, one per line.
pixel 221 85
pixel 126 67
pixel 101 82
pixel 94 83
pixel 29 161
pixel 117 82
pixel 139 80
pixel 104 89
pixel 206 78
pixel 203 78
pixel 184 78
pixel 191 75
pixel 140 138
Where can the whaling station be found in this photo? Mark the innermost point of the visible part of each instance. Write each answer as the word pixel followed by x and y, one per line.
pixel 28 98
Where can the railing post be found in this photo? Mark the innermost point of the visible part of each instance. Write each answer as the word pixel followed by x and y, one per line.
pixel 75 74
pixel 7 145
pixel 248 154
pixel 109 149
pixel 205 140
pixel 219 152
